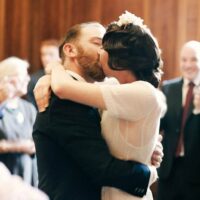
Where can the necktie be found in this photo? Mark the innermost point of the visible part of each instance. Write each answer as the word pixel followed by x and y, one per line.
pixel 188 102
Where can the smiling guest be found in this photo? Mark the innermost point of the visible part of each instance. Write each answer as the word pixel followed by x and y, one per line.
pixel 179 172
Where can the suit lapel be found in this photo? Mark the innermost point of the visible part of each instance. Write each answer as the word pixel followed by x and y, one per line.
pixel 178 97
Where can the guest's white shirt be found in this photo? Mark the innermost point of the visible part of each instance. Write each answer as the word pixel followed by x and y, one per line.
pixel 185 88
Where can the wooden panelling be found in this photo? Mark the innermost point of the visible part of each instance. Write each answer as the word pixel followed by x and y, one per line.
pixel 25 23
pixel 163 23
pixel 2 22
pixel 112 9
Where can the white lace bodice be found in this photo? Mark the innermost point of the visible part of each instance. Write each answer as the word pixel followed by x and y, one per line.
pixel 130 126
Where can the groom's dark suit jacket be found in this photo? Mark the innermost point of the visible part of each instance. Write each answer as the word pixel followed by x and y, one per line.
pixel 171 126
pixel 73 159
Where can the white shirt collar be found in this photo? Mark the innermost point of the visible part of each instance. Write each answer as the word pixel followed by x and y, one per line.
pixel 75 75
pixel 196 81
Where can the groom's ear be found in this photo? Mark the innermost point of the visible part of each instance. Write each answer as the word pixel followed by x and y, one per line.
pixel 70 50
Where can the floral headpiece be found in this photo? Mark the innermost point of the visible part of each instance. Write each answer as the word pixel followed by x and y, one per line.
pixel 128 18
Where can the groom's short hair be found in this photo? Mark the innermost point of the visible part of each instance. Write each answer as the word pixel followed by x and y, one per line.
pixel 73 34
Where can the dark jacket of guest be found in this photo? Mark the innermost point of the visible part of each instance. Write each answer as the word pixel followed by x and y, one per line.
pixel 34 78
pixel 171 124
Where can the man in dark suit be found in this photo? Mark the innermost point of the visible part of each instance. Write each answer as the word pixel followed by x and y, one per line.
pixel 74 161
pixel 180 170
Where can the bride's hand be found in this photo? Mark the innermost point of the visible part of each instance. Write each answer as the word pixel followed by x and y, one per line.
pixel 42 92
pixel 153 176
pixel 50 66
pixel 157 155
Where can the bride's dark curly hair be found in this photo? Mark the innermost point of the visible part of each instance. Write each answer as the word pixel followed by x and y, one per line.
pixel 131 47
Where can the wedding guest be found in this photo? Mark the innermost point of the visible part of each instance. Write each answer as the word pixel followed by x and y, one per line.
pixel 17 117
pixel 179 172
pixel 48 53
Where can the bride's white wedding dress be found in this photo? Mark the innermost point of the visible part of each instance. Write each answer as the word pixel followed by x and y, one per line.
pixel 130 126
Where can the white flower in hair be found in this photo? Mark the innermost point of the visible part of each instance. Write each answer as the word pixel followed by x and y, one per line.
pixel 127 18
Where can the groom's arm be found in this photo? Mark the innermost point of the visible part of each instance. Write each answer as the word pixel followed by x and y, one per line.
pixel 91 153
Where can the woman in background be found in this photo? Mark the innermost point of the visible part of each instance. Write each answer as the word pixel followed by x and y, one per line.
pixel 17 117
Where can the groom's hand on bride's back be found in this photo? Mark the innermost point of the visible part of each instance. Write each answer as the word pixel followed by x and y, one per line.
pixel 42 92
pixel 157 155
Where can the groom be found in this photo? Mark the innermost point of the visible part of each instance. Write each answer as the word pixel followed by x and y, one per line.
pixel 74 161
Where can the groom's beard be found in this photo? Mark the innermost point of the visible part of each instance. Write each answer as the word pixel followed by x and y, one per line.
pixel 90 65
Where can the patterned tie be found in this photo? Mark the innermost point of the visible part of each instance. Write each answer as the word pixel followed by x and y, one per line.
pixel 188 102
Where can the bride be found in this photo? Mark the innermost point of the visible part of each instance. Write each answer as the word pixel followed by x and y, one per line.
pixel 132 106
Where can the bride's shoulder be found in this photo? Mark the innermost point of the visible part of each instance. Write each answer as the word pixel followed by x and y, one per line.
pixel 143 87
pixel 143 84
